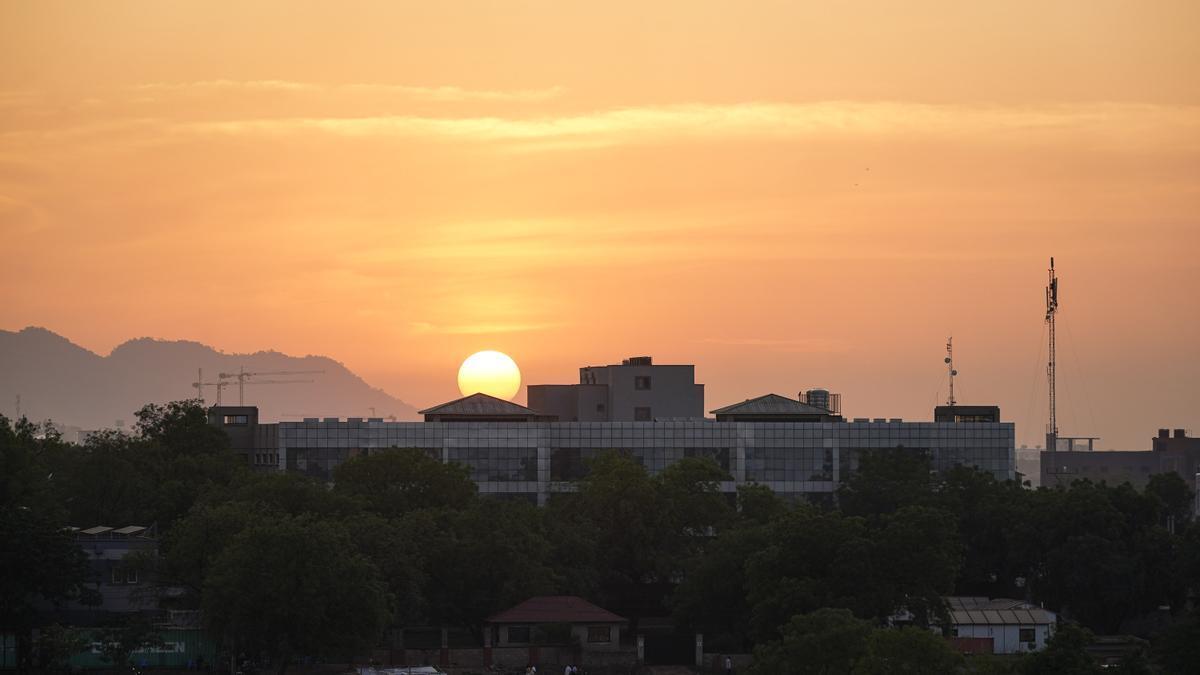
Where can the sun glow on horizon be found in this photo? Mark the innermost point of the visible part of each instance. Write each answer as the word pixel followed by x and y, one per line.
pixel 489 372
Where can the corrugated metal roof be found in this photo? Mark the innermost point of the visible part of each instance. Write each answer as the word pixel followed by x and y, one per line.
pixel 99 529
pixel 131 529
pixel 996 617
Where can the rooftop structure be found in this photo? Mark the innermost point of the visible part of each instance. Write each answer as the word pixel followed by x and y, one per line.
pixel 1170 450
pixel 482 408
pixel 775 408
pixel 555 609
pixel 634 391
pixel 966 413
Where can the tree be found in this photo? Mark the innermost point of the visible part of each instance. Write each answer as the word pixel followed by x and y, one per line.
pixel 918 554
pixel 120 640
pixel 1172 494
pixel 27 466
pixel 887 480
pixel 712 598
pixel 182 427
pixel 193 546
pixel 483 559
pixel 1177 650
pixel 691 495
pixel 398 548
pixel 619 508
pixel 759 504
pixel 397 481
pixel 986 510
pixel 908 650
pixel 288 586
pixel 41 562
pixel 1065 654
pixel 824 642
pixel 56 645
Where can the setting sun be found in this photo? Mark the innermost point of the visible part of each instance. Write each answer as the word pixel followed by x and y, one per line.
pixel 489 372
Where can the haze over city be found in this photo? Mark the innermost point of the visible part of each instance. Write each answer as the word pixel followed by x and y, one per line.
pixel 786 209
pixel 793 198
pixel 468 337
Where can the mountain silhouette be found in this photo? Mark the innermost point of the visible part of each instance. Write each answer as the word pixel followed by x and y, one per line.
pixel 63 382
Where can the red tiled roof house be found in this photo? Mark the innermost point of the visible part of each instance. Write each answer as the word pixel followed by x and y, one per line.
pixel 592 628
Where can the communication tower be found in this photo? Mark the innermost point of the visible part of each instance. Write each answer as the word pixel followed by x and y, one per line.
pixel 1051 310
pixel 950 368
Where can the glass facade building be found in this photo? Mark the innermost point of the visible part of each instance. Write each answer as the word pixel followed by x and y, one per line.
pixel 534 459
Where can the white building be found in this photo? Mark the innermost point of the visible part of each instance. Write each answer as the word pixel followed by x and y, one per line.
pixel 1008 626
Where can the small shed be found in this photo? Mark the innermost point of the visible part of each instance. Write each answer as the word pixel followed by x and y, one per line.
pixel 592 628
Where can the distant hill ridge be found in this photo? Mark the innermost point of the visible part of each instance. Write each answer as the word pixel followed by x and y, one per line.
pixel 59 380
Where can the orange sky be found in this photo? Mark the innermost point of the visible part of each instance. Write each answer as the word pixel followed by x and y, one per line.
pixel 788 194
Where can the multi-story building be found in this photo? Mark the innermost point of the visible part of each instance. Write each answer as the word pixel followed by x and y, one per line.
pixel 796 448
pixel 635 391
pixel 1169 451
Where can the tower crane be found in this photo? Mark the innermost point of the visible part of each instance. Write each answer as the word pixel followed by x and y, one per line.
pixel 243 378
pixel 200 384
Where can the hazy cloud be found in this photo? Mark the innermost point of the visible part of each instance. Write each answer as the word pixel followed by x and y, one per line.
pixel 422 327
pixel 750 121
pixel 807 345
pixel 416 93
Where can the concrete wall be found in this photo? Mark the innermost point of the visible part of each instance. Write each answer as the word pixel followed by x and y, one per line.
pixel 1111 466
pixel 673 391
pixel 715 663
pixel 570 402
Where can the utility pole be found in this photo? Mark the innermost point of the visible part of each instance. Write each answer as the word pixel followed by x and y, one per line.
pixel 950 368
pixel 1051 310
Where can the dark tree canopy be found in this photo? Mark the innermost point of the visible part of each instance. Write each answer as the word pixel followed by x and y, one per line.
pixel 394 482
pixel 286 586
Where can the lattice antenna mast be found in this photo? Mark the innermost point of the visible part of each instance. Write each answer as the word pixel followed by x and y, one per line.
pixel 1051 310
pixel 950 368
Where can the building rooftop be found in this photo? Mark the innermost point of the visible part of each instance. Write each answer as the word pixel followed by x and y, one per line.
pixel 555 609
pixel 770 404
pixel 977 611
pixel 481 405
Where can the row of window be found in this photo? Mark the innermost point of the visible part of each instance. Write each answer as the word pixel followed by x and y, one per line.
pixel 523 634
pixel 124 576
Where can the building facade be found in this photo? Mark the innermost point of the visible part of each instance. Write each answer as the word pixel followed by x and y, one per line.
pixel 534 459
pixel 999 625
pixel 634 391
pixel 1170 451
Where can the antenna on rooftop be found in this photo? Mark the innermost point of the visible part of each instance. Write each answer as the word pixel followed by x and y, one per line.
pixel 1051 310
pixel 950 368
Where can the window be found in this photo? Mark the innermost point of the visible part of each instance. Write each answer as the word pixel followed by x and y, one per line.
pixel 1026 635
pixel 122 575
pixel 641 382
pixel 518 634
pixel 599 633
pixel 236 420
pixel 642 415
